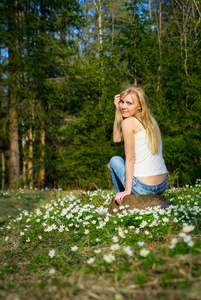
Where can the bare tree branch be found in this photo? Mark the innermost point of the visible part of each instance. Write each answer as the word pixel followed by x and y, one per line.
pixel 197 8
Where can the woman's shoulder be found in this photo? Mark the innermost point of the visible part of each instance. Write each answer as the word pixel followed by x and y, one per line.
pixel 128 121
pixel 128 124
pixel 132 124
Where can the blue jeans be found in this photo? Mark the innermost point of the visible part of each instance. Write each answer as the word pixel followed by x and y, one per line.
pixel 117 168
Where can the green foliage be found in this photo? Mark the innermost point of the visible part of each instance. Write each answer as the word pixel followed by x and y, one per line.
pixel 140 278
pixel 168 276
pixel 63 78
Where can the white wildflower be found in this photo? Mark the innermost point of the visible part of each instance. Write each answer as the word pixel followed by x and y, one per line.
pixel 118 297
pixel 54 226
pixel 109 258
pixel 101 224
pixel 107 219
pixel 74 248
pixel 52 271
pixel 114 247
pixel 127 250
pixel 182 235
pixel 121 234
pixel 188 228
pixel 61 228
pixel 144 252
pixel 191 243
pixel 98 251
pixel 90 260
pixel 187 239
pixel 143 224
pixel 140 244
pixel 174 241
pixel 172 246
pixel 115 239
pixel 51 253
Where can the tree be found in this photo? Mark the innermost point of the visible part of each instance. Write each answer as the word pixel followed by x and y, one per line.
pixel 64 71
pixel 30 33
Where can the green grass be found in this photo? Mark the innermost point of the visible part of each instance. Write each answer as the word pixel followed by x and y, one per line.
pixel 63 245
pixel 11 201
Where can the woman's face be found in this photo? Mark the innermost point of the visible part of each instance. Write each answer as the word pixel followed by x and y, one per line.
pixel 129 105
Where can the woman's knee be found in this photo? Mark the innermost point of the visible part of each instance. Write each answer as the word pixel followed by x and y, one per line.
pixel 115 161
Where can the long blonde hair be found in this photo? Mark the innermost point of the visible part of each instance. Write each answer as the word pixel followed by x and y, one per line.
pixel 150 124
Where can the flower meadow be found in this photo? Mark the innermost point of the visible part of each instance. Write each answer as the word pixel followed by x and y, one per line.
pixel 69 247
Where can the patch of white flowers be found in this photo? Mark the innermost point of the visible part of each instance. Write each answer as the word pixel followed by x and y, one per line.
pixel 87 219
pixel 109 258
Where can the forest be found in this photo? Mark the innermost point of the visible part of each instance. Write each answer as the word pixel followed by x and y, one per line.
pixel 62 62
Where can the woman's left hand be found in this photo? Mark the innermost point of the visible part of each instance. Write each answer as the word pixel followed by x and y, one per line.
pixel 119 196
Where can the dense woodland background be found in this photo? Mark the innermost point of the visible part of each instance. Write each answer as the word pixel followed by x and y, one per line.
pixel 62 62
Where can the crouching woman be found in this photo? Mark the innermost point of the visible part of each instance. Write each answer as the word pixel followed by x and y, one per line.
pixel 143 171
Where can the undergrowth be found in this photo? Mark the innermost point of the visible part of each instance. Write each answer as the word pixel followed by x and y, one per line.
pixel 67 246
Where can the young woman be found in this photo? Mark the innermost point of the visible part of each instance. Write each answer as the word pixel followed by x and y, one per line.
pixel 143 171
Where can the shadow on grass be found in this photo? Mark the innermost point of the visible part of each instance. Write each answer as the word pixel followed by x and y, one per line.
pixel 14 201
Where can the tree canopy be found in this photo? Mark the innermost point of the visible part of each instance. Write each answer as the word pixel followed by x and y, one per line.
pixel 63 61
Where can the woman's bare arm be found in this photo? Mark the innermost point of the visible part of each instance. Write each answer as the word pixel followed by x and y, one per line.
pixel 117 132
pixel 128 134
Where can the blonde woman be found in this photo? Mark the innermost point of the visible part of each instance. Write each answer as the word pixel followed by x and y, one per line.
pixel 143 171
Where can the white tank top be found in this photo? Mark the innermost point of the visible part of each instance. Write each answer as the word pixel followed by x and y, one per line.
pixel 147 164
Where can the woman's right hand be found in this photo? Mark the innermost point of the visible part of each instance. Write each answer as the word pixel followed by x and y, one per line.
pixel 116 101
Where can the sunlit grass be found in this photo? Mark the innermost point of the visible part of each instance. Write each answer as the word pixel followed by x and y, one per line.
pixel 70 237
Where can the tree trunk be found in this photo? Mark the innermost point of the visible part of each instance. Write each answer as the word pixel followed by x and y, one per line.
pixel 24 170
pixel 135 70
pixel 100 29
pixel 112 24
pixel 23 154
pixel 14 144
pixel 3 161
pixel 13 122
pixel 158 17
pixel 30 158
pixel 41 181
pixel 41 178
pixel 159 44
pixel 150 15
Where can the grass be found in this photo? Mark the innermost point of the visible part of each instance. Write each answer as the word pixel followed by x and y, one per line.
pixel 64 245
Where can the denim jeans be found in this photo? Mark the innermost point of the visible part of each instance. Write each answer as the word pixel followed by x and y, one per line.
pixel 117 168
